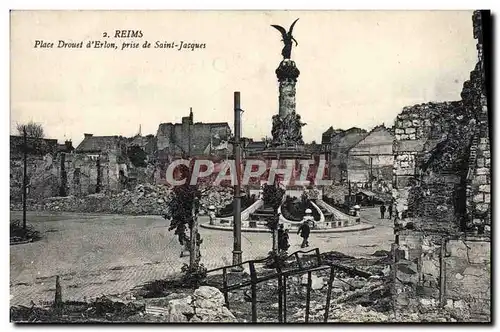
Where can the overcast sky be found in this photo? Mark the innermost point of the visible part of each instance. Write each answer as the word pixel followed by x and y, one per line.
pixel 358 68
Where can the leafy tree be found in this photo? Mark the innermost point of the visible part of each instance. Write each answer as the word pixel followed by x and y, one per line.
pixel 183 207
pixel 272 195
pixel 137 156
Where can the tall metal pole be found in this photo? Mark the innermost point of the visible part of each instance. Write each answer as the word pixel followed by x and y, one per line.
pixel 25 175
pixel 189 132
pixel 371 173
pixel 237 192
pixel 350 203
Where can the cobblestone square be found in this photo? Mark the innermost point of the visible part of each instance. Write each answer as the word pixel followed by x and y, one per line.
pixel 111 254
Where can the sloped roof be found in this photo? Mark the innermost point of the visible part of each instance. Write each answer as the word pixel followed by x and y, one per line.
pixel 348 138
pixel 99 143
pixel 65 147
pixel 381 128
pixel 38 146
pixel 327 135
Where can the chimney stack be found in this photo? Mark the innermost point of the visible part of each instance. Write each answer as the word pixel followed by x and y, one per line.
pixel 69 144
pixel 88 135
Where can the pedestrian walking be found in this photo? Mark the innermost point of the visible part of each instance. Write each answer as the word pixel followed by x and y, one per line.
pixel 281 231
pixel 211 214
pixel 284 243
pixel 309 218
pixel 382 211
pixel 304 230
pixel 390 211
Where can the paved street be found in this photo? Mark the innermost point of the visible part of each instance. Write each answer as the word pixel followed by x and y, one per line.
pixel 110 254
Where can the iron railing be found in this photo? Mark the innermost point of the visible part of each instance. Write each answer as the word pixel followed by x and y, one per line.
pixel 282 274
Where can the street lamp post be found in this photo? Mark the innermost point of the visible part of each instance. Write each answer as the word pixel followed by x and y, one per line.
pixel 237 189
pixel 25 175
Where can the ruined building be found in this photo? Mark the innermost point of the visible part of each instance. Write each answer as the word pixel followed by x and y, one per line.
pixel 99 164
pixel 189 138
pixel 40 157
pixel 337 150
pixel 370 161
pixel 102 164
pixel 441 192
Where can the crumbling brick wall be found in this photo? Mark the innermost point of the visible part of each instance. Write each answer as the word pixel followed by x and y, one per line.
pixel 474 95
pixel 442 177
pixel 423 121
pixel 468 274
pixel 77 173
pixel 82 174
pixel 450 273
pixel 42 177
pixel 417 131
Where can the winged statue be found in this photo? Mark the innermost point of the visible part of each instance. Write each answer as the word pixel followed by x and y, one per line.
pixel 287 39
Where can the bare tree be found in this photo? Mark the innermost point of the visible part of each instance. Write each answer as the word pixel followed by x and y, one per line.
pixel 33 129
pixel 29 130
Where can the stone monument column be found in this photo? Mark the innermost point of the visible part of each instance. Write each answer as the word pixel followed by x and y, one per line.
pixel 287 143
pixel 287 127
pixel 287 74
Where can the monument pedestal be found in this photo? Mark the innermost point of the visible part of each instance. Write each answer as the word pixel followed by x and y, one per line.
pixel 286 153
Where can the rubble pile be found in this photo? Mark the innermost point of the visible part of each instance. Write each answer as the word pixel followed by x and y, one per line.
pixel 145 199
pixel 206 304
pixel 336 192
pixel 100 310
pixel 346 313
pixel 354 299
pixel 219 197
pixel 361 286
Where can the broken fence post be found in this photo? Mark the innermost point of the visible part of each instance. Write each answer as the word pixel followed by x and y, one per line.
pixel 442 274
pixel 318 256
pixel 308 295
pixel 284 299
pixel 329 292
pixel 224 286
pixel 58 295
pixel 253 279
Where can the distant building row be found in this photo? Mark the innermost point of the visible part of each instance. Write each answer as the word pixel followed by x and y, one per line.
pixel 113 163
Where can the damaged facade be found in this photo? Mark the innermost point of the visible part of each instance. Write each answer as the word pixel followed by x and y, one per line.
pixel 102 164
pixel 441 193
pixel 189 138
pixel 40 158
pixel 337 150
pixel 370 161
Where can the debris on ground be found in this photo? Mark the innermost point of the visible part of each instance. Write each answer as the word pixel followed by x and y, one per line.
pixel 20 234
pixel 357 296
pixel 144 199
pixel 100 310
